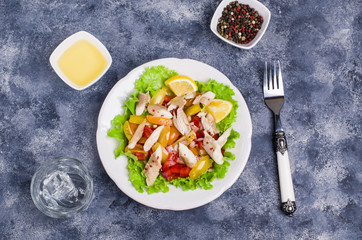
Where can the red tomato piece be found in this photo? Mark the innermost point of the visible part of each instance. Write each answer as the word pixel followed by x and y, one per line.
pixel 176 169
pixel 200 134
pixel 167 99
pixel 140 156
pixel 216 136
pixel 184 172
pixel 165 166
pixel 200 145
pixel 196 120
pixel 147 131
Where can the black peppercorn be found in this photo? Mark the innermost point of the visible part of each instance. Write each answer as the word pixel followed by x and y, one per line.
pixel 239 23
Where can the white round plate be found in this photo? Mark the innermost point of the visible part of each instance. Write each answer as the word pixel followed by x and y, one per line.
pixel 176 198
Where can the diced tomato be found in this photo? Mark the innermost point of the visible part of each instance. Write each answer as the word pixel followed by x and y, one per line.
pixel 171 161
pixel 200 134
pixel 184 172
pixel 167 99
pixel 147 131
pixel 165 166
pixel 223 151
pixel 176 168
pixel 196 120
pixel 140 156
pixel 216 136
pixel 168 175
pixel 200 145
pixel 172 170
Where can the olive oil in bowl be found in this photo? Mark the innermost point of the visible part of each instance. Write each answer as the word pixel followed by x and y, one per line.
pixel 80 60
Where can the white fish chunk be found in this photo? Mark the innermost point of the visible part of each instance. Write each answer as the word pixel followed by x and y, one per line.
pixel 137 135
pixel 204 98
pixel 213 148
pixel 187 155
pixel 224 137
pixel 176 102
pixel 212 122
pixel 209 124
pixel 190 95
pixel 144 99
pixel 153 138
pixel 181 123
pixel 159 111
pixel 153 166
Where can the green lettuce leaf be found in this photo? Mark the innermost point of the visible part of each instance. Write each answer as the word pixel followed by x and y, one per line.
pixel 117 131
pixel 153 79
pixel 231 141
pixel 135 169
pixel 131 102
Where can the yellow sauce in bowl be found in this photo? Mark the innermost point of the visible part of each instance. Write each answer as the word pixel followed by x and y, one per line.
pixel 82 63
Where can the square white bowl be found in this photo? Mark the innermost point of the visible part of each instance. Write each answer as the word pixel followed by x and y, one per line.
pixel 63 46
pixel 258 6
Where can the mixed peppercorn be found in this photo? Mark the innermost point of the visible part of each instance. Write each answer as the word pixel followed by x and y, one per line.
pixel 239 23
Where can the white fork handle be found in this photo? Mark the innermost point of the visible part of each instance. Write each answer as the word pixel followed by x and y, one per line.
pixel 285 177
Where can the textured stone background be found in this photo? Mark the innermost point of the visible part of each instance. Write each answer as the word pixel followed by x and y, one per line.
pixel 319 45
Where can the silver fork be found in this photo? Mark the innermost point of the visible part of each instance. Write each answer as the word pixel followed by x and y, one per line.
pixel 274 99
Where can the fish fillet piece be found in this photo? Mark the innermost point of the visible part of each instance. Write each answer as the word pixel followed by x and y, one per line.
pixel 187 155
pixel 204 98
pixel 137 135
pixel 224 137
pixel 144 99
pixel 176 102
pixel 209 124
pixel 181 123
pixel 213 148
pixel 153 138
pixel 190 95
pixel 153 166
pixel 158 110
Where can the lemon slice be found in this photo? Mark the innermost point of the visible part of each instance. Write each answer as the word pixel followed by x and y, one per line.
pixel 219 109
pixel 181 85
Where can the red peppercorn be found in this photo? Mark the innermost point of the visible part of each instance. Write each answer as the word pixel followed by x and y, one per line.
pixel 261 18
pixel 244 12
pixel 238 9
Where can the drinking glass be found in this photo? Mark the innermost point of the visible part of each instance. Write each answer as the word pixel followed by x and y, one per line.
pixel 62 187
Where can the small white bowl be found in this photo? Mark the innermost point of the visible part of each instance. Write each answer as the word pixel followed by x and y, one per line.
pixel 262 10
pixel 68 42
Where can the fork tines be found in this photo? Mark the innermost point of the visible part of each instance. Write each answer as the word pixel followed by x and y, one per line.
pixel 273 85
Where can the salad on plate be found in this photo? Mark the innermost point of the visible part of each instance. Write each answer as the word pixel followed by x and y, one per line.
pixel 175 130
